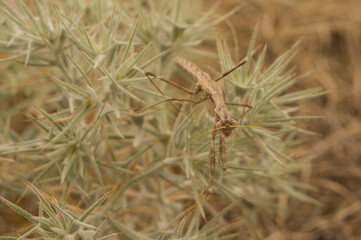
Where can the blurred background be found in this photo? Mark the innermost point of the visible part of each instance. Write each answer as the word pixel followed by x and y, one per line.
pixel 330 35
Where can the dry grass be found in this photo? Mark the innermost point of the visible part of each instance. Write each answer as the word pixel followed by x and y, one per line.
pixel 330 48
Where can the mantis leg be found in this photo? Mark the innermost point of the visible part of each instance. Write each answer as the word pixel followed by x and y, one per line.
pixel 237 66
pixel 165 100
pixel 222 151
pixel 212 156
pixel 241 105
pixel 212 152
pixel 231 70
pixel 149 74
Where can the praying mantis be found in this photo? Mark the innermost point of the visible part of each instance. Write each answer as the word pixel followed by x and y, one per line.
pixel 223 124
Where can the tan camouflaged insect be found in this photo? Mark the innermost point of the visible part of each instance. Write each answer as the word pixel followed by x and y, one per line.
pixel 224 124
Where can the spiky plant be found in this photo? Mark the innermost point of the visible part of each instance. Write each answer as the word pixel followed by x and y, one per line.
pixel 81 67
pixel 56 221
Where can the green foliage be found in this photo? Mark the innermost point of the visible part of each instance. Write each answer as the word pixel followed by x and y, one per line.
pixel 156 162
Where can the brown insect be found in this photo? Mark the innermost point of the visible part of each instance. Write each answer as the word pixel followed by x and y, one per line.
pixel 223 124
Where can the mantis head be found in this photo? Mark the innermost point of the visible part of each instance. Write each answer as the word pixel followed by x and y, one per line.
pixel 226 126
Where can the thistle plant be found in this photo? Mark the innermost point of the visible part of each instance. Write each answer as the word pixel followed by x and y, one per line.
pixel 89 59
